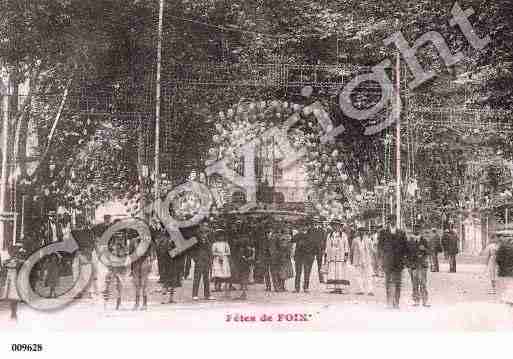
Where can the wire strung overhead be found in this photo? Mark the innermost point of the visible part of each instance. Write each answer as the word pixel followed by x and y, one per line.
pixel 227 29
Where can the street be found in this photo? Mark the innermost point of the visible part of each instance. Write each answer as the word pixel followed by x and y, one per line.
pixel 460 301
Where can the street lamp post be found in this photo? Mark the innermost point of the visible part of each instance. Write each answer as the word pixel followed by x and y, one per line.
pixel 398 141
pixel 4 93
pixel 157 105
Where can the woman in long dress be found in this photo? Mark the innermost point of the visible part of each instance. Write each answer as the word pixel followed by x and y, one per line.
pixel 336 256
pixel 362 262
pixel 221 262
pixel 170 269
pixel 490 253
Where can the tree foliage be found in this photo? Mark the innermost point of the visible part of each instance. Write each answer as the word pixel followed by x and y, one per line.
pixel 112 43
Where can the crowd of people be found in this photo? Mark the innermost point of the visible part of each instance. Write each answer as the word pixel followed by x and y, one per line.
pixel 235 252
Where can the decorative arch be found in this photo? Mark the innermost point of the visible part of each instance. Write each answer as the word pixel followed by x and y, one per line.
pixel 333 188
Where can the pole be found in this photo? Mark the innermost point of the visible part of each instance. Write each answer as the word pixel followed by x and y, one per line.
pixel 4 89
pixel 398 140
pixel 383 215
pixel 461 229
pixel 141 167
pixel 473 242
pixel 487 229
pixel 157 106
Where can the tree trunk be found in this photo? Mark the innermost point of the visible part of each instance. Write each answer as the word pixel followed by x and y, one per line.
pixel 44 155
pixel 23 118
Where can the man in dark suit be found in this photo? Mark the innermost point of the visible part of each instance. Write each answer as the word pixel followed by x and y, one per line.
pixel 450 242
pixel 276 256
pixel 54 229
pixel 303 256
pixel 267 252
pixel 392 244
pixel 418 263
pixel 435 247
pixel 233 236
pixel 318 236
pixel 202 254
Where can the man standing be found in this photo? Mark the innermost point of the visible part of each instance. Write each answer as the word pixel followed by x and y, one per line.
pixel 392 244
pixel 418 254
pixel 361 249
pixel 450 241
pixel 116 268
pixel 234 234
pixel 435 247
pixel 266 252
pixel 318 236
pixel 286 270
pixel 202 257
pixel 140 271
pixel 247 257
pixel 275 239
pixel 303 256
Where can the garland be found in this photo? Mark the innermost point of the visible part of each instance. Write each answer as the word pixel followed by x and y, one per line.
pixel 335 198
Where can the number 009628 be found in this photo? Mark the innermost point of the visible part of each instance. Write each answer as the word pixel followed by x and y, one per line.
pixel 26 347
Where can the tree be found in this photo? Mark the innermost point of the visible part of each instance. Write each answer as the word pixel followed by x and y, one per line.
pixel 111 43
pixel 51 47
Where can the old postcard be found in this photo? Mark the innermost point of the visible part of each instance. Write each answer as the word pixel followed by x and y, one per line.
pixel 310 165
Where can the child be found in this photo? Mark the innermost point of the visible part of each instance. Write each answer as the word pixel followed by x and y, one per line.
pixel 53 274
pixel 221 261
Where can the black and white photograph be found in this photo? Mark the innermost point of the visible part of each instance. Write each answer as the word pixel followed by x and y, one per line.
pixel 265 165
